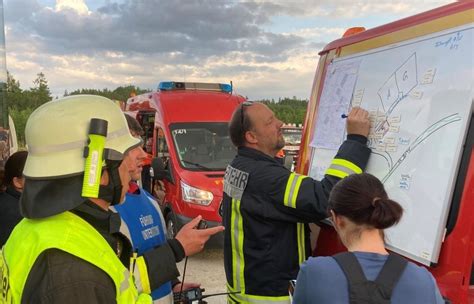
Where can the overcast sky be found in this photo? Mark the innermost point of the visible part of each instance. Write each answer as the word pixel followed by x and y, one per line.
pixel 267 48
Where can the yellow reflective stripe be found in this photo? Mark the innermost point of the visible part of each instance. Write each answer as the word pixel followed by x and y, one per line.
pixel 230 300
pixel 241 249
pixel 347 164
pixel 233 244
pixel 143 275
pixel 247 298
pixel 140 273
pixel 289 185
pixel 337 173
pixel 237 242
pixel 296 190
pixel 342 168
pixel 301 242
pixel 125 284
pixel 292 189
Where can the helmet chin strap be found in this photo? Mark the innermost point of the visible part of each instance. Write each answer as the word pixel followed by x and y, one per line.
pixel 112 192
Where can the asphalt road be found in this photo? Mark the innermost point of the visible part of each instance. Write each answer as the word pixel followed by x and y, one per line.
pixel 207 268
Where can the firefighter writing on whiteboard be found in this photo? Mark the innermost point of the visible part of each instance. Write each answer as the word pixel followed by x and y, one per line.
pixel 266 207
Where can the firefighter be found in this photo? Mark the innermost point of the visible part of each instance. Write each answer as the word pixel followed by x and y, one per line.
pixel 68 249
pixel 143 223
pixel 266 207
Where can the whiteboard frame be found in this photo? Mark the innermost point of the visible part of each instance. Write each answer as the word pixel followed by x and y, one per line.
pixel 447 200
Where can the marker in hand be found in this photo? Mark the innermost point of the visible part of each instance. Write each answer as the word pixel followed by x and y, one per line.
pixel 344 116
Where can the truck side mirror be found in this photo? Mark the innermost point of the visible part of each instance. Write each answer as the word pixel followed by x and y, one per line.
pixel 157 169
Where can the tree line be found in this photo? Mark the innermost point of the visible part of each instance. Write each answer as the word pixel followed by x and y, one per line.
pixel 288 110
pixel 22 102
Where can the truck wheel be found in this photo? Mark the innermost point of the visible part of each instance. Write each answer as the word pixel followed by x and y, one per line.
pixel 171 228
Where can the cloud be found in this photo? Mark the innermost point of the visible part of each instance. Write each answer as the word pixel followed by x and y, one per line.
pixel 349 8
pixel 76 5
pixel 198 28
pixel 18 11
pixel 142 42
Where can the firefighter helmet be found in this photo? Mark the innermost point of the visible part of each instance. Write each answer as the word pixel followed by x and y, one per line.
pixel 57 132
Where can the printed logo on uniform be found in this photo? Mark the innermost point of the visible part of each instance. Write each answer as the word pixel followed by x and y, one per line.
pixel 235 182
pixel 151 232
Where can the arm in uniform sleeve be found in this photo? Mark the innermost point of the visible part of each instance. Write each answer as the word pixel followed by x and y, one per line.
pixel 300 198
pixel 158 266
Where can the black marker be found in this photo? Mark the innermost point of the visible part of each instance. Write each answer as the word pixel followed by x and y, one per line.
pixel 344 116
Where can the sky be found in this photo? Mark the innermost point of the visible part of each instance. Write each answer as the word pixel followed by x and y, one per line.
pixel 268 49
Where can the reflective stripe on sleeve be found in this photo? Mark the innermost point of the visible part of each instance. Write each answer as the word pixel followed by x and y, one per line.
pixel 301 242
pixel 292 188
pixel 342 168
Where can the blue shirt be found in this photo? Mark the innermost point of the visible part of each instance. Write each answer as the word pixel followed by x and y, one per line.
pixel 145 226
pixel 321 280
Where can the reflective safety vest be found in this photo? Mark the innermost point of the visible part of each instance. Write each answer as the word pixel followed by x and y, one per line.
pixel 143 222
pixel 71 234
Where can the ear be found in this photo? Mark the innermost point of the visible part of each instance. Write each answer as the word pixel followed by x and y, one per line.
pixel 104 179
pixel 338 220
pixel 250 137
pixel 333 216
pixel 18 182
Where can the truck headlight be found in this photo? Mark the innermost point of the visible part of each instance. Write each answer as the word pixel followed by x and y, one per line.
pixel 196 196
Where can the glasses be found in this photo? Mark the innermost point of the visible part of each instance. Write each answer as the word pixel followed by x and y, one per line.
pixel 242 116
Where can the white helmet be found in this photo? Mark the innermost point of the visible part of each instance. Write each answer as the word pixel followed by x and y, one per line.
pixel 57 132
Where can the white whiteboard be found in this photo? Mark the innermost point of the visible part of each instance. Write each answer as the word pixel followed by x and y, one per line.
pixel 420 97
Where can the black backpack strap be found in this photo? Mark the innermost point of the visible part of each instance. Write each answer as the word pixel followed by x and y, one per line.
pixel 351 267
pixel 390 274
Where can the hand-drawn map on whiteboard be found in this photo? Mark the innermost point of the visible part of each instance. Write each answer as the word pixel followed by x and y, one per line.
pixel 335 99
pixel 419 95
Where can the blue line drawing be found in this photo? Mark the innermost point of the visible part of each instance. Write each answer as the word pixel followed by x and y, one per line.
pixel 421 138
pixel 396 88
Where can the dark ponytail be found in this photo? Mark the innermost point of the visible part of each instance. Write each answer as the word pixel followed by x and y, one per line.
pixel 362 199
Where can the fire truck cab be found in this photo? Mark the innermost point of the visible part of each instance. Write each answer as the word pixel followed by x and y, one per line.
pixel 186 126
pixel 292 135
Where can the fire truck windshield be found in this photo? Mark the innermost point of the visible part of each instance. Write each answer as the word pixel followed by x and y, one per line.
pixel 203 146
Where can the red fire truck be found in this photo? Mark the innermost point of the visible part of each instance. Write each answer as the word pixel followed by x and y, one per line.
pixel 292 135
pixel 186 127
pixel 423 52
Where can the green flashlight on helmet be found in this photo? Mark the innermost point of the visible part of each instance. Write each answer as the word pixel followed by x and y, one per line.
pixel 93 153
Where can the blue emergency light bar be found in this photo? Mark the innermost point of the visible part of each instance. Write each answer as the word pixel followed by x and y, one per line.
pixel 200 86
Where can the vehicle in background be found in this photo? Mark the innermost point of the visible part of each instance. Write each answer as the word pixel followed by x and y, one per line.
pixel 186 128
pixel 292 135
pixel 8 142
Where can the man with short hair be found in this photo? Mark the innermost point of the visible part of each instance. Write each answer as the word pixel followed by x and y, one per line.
pixel 266 207
pixel 143 223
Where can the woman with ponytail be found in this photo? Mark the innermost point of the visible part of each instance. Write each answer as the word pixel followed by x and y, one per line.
pixel 360 211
